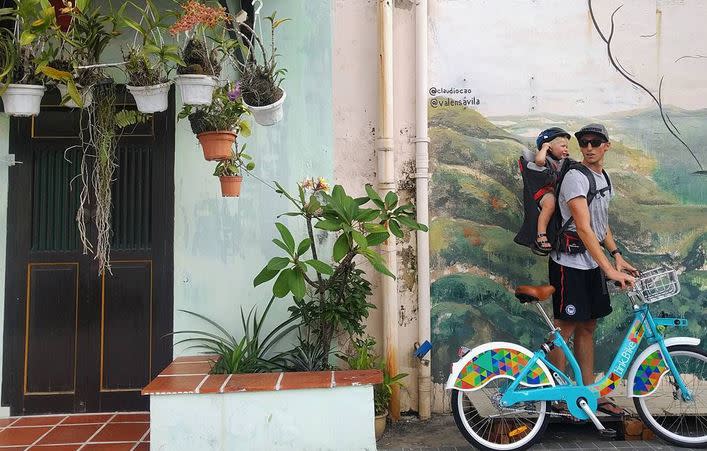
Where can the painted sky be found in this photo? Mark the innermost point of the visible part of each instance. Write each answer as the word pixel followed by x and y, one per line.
pixel 544 56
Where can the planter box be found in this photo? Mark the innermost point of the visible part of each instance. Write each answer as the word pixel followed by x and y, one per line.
pixel 327 410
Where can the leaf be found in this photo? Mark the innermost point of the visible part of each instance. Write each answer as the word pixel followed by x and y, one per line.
pixel 282 284
pixel 303 246
pixel 56 74
pixel 320 267
pixel 341 247
pixel 278 263
pixel 264 275
pixel 391 200
pixel 328 224
pixel 286 237
pixel 244 129
pixel 372 192
pixel 374 239
pixel 408 222
pixel 375 228
pixel 74 93
pixel 281 245
pixel 395 228
pixel 134 25
pixel 367 215
pixel 359 239
pixel 27 37
pixel 377 262
pixel 296 284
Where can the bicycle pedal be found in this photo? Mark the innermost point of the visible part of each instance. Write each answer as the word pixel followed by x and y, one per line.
pixel 607 434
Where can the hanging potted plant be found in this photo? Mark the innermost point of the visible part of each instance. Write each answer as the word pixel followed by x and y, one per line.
pixel 22 88
pixel 148 63
pixel 198 77
pixel 229 172
pixel 259 75
pixel 216 125
pixel 75 64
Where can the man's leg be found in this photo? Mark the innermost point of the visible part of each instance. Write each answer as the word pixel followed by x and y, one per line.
pixel 584 349
pixel 557 357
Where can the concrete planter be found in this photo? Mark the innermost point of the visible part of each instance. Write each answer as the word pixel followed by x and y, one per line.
pixel 267 411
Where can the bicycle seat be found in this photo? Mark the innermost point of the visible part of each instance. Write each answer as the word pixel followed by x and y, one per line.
pixel 534 293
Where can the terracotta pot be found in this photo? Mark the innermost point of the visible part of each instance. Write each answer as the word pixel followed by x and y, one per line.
pixel 231 185
pixel 380 422
pixel 217 145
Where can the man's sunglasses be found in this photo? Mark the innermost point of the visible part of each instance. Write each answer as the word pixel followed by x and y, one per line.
pixel 594 142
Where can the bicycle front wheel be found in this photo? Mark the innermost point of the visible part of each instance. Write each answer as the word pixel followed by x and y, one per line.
pixel 682 423
pixel 488 426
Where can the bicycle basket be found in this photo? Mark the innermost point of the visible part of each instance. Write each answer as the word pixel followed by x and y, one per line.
pixel 656 284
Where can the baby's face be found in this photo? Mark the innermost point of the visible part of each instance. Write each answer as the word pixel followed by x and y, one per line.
pixel 560 148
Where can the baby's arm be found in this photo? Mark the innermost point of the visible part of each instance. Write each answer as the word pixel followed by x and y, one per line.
pixel 541 154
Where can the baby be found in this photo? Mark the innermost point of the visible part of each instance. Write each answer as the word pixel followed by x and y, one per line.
pixel 553 148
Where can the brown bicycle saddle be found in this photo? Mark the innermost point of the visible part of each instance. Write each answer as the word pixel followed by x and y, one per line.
pixel 534 293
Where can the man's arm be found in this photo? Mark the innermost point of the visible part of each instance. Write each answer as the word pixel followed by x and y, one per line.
pixel 621 263
pixel 580 212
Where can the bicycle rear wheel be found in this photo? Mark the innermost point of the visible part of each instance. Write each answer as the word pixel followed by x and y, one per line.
pixel 488 426
pixel 682 423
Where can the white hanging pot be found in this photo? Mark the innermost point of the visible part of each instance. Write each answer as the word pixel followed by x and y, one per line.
pixel 196 89
pixel 23 100
pixel 269 114
pixel 87 96
pixel 151 99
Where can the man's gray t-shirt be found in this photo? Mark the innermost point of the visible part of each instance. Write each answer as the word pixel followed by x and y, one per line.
pixel 575 184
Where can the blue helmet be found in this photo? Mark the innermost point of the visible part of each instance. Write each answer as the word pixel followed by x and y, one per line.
pixel 550 134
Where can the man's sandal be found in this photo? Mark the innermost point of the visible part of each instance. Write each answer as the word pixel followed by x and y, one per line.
pixel 610 408
pixel 541 246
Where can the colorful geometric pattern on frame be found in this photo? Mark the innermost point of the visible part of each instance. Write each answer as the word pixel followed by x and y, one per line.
pixel 608 384
pixel 636 333
pixel 649 373
pixel 495 363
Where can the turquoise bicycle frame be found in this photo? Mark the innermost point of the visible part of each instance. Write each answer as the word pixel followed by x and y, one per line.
pixel 643 326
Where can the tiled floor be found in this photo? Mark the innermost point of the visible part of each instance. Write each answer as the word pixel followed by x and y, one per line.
pixel 85 432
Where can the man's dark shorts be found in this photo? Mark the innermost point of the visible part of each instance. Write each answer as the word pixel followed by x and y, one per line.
pixel 580 294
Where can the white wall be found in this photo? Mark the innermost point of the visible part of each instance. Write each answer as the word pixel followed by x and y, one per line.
pixel 4 187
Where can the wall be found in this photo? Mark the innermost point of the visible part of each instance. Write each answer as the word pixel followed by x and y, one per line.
pixel 355 99
pixel 527 66
pixel 221 244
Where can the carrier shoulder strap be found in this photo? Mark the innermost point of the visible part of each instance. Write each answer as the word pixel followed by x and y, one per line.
pixel 591 194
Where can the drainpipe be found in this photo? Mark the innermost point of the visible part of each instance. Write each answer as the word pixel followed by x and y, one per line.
pixel 386 182
pixel 422 140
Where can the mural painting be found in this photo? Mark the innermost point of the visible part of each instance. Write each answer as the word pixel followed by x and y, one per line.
pixel 523 67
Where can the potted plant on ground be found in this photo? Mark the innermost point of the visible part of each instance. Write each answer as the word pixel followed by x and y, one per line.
pixel 216 125
pixel 148 62
pixel 21 86
pixel 229 172
pixel 363 357
pixel 259 75
pixel 198 77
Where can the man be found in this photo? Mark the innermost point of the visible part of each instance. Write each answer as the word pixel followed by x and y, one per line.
pixel 579 270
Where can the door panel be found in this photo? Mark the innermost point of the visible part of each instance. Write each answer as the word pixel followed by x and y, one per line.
pixel 74 341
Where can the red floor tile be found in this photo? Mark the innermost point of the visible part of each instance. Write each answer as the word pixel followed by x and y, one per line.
pixel 54 448
pixel 127 446
pixel 13 448
pixel 21 436
pixel 251 382
pixel 39 421
pixel 93 418
pixel 143 447
pixel 314 379
pixel 213 383
pixel 173 384
pixel 76 433
pixel 6 421
pixel 131 418
pixel 119 432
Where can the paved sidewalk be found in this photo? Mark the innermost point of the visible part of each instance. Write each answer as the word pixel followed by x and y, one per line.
pixel 441 434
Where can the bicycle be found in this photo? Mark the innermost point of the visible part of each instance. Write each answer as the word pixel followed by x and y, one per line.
pixel 501 392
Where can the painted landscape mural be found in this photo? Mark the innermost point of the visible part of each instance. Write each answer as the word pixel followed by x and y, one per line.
pixel 496 106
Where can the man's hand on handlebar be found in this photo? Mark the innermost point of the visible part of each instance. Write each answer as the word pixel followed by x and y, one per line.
pixel 624 266
pixel 621 279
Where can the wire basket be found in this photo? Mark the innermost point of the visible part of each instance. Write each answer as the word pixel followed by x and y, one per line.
pixel 656 284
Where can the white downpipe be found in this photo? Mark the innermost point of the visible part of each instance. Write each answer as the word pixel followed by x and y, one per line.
pixel 386 182
pixel 422 176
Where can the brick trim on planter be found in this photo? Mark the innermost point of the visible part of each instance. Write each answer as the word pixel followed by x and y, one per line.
pixel 190 375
